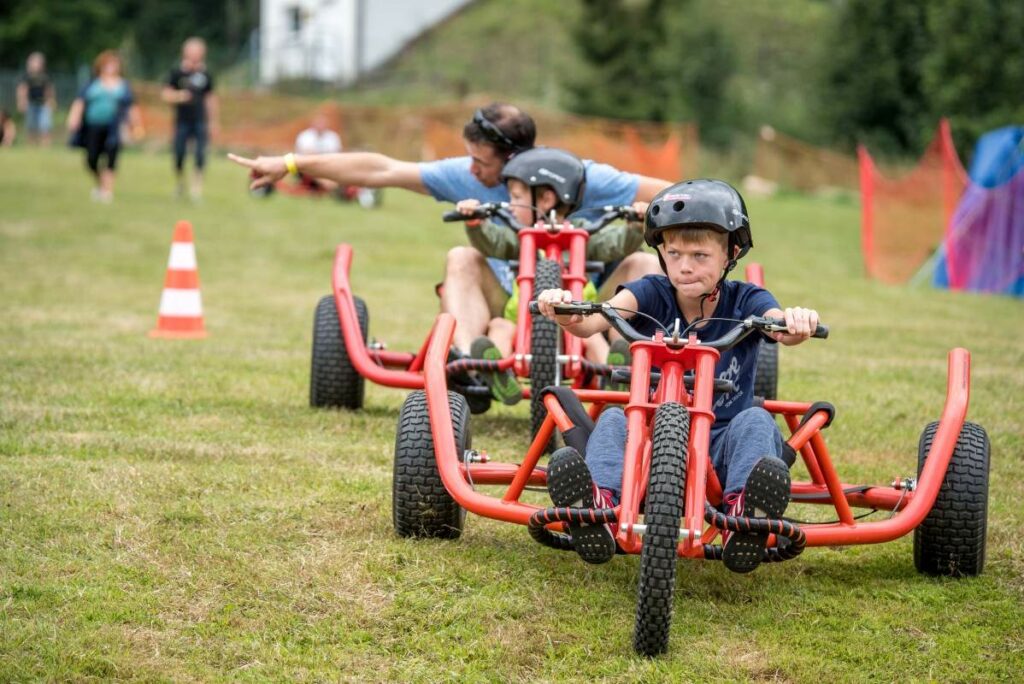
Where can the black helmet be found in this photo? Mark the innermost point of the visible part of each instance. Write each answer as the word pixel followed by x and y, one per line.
pixel 547 166
pixel 703 203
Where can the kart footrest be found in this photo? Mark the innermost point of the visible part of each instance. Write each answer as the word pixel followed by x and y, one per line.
pixel 539 521
pixel 815 407
pixel 791 539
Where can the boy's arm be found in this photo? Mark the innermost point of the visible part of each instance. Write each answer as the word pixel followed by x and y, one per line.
pixel 615 242
pixel 583 326
pixel 800 321
pixel 493 239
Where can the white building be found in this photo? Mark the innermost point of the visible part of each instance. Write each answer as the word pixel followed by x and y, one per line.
pixel 340 40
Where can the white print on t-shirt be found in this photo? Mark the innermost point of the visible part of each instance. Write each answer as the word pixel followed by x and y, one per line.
pixel 732 373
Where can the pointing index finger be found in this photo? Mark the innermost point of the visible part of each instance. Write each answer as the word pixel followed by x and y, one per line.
pixel 250 163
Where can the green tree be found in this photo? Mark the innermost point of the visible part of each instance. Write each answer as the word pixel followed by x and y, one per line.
pixel 872 77
pixel 974 70
pixel 652 60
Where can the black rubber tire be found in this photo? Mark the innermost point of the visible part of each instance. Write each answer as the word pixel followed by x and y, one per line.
pixel 766 377
pixel 543 347
pixel 663 512
pixel 951 540
pixel 420 504
pixel 333 380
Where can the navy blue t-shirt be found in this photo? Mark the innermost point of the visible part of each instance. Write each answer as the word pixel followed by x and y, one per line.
pixel 656 297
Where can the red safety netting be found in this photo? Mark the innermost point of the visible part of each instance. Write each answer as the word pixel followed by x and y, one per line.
pixel 903 221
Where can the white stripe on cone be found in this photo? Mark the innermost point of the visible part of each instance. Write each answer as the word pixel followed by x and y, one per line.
pixel 183 256
pixel 181 303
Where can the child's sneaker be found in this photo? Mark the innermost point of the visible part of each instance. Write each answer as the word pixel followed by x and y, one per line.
pixel 504 386
pixel 619 355
pixel 478 403
pixel 570 485
pixel 765 495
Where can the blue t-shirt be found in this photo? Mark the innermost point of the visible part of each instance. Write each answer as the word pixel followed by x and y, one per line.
pixel 449 180
pixel 103 105
pixel 656 297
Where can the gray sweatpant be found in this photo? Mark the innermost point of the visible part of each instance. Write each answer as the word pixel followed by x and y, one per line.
pixel 735 447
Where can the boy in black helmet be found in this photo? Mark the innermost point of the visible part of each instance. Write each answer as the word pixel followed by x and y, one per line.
pixel 542 182
pixel 700 229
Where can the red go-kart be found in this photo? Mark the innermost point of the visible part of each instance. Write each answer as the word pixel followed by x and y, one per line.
pixel 670 493
pixel 342 360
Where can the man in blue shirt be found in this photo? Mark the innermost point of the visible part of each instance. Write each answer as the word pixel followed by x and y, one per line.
pixel 474 291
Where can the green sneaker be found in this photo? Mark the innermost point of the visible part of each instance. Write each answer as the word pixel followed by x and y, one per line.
pixel 504 386
pixel 618 355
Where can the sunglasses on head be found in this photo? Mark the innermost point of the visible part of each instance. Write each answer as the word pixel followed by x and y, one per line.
pixel 492 132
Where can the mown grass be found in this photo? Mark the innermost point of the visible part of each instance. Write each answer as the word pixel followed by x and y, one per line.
pixel 175 511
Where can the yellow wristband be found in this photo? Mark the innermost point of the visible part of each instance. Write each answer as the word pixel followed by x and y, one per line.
pixel 289 163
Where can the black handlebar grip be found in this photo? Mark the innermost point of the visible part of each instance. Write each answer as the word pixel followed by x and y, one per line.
pixel 534 308
pixel 821 332
pixel 454 215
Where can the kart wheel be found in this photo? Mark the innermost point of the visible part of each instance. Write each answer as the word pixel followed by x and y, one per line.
pixel 663 513
pixel 951 540
pixel 544 337
pixel 766 378
pixel 333 380
pixel 420 504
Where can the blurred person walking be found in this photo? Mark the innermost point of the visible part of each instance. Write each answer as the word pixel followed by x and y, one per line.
pixel 37 99
pixel 96 117
pixel 196 109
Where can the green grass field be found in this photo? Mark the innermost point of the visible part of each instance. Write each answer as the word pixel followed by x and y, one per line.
pixel 174 511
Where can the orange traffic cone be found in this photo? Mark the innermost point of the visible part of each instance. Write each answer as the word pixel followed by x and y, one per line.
pixel 181 306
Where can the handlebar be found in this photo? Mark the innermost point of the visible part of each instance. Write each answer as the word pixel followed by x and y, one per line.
pixel 727 341
pixel 501 210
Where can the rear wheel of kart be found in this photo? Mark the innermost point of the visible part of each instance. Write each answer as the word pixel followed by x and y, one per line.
pixel 951 540
pixel 420 504
pixel 662 514
pixel 333 380
pixel 766 378
pixel 544 336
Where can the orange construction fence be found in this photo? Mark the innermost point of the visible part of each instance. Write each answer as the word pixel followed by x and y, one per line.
pixel 256 122
pixel 904 220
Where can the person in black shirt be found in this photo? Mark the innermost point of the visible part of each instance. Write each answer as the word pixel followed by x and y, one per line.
pixel 190 89
pixel 36 99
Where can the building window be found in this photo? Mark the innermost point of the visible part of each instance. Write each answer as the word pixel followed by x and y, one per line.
pixel 294 19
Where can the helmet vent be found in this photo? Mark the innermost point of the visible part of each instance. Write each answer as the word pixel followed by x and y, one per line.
pixel 655 210
pixel 678 206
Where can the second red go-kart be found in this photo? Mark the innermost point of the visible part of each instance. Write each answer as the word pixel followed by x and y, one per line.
pixel 342 360
pixel 670 493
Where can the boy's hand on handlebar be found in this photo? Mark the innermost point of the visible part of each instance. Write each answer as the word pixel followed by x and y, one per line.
pixel 801 324
pixel 640 208
pixel 265 170
pixel 467 207
pixel 547 300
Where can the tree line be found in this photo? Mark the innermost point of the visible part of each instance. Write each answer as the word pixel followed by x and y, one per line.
pixel 882 71
pixel 834 72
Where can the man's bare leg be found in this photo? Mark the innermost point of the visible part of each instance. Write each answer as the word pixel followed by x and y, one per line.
pixel 471 293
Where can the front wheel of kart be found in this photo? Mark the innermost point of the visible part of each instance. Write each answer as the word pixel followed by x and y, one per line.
pixel 951 540
pixel 544 335
pixel 766 377
pixel 662 514
pixel 333 380
pixel 420 504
